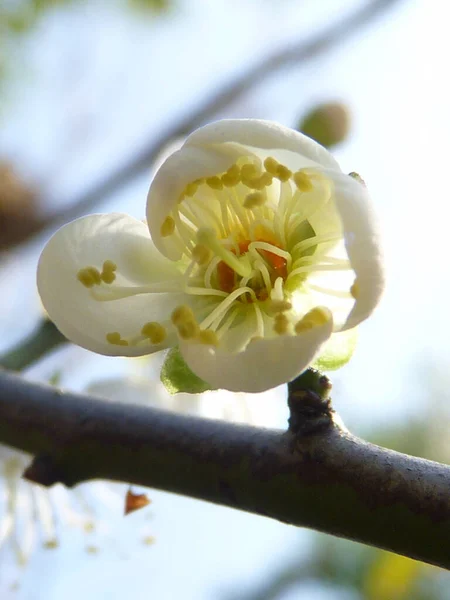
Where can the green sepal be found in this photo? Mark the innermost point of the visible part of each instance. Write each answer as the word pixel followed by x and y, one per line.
pixel 337 351
pixel 177 377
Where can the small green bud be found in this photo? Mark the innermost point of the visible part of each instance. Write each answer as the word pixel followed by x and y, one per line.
pixel 328 124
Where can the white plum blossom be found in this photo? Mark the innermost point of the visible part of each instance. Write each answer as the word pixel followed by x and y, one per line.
pixel 257 249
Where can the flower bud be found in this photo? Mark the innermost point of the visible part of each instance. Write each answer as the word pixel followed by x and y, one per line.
pixel 328 124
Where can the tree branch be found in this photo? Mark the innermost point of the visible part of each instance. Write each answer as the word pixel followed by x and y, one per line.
pixel 315 475
pixel 43 339
pixel 294 53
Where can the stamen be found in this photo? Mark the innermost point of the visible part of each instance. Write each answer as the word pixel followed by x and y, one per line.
pixel 227 323
pixel 188 330
pixel 186 232
pixel 182 313
pixel 207 238
pixel 115 339
pixel 155 332
pixel 314 318
pixel 184 320
pixel 261 267
pixel 201 254
pixel 325 290
pixel 278 306
pixel 283 173
pixel 302 181
pixel 224 306
pixel 314 241
pixel 314 268
pixel 240 215
pixel 249 172
pixel 89 277
pixel 201 291
pixel 268 250
pixel 354 290
pixel 277 292
pixel 191 188
pixel 271 165
pixel 259 320
pixel 167 227
pixel 208 337
pixel 281 324
pixel 120 292
pixel 108 275
pixel 214 183
pixel 195 204
pixel 253 200
pixel 209 271
pixel 232 177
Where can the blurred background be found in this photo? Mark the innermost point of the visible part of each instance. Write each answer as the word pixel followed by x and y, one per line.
pixel 93 94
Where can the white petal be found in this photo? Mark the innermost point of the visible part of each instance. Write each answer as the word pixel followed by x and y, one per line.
pixel 263 365
pixel 183 167
pixel 90 241
pixel 211 150
pixel 265 135
pixel 362 242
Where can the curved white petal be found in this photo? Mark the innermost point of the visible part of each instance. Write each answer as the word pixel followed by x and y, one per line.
pixel 264 364
pixel 182 167
pixel 210 150
pixel 362 242
pixel 90 241
pixel 265 135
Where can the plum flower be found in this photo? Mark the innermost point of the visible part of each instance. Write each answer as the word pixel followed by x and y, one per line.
pixel 258 249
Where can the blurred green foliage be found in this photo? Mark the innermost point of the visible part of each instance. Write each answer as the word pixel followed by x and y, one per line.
pixel 18 18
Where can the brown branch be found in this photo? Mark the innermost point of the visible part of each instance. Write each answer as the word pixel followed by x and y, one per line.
pixel 294 54
pixel 315 475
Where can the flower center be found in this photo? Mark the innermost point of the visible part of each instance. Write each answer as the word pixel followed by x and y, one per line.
pixel 248 241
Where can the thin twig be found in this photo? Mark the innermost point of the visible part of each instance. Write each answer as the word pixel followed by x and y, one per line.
pixel 318 476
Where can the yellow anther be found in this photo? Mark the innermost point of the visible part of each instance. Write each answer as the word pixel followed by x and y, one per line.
pixel 182 313
pixel 254 199
pixel 115 339
pixel 108 275
pixel 302 181
pixel 271 165
pixel 188 330
pixel 184 320
pixel 253 178
pixel 354 290
pixel 316 317
pixel 281 324
pixel 257 183
pixel 201 254
pixel 155 332
pixel 191 188
pixel 109 265
pixel 89 277
pixel 208 337
pixel 168 226
pixel 249 171
pixel 214 182
pixel 283 173
pixel 232 177
pixel 266 179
